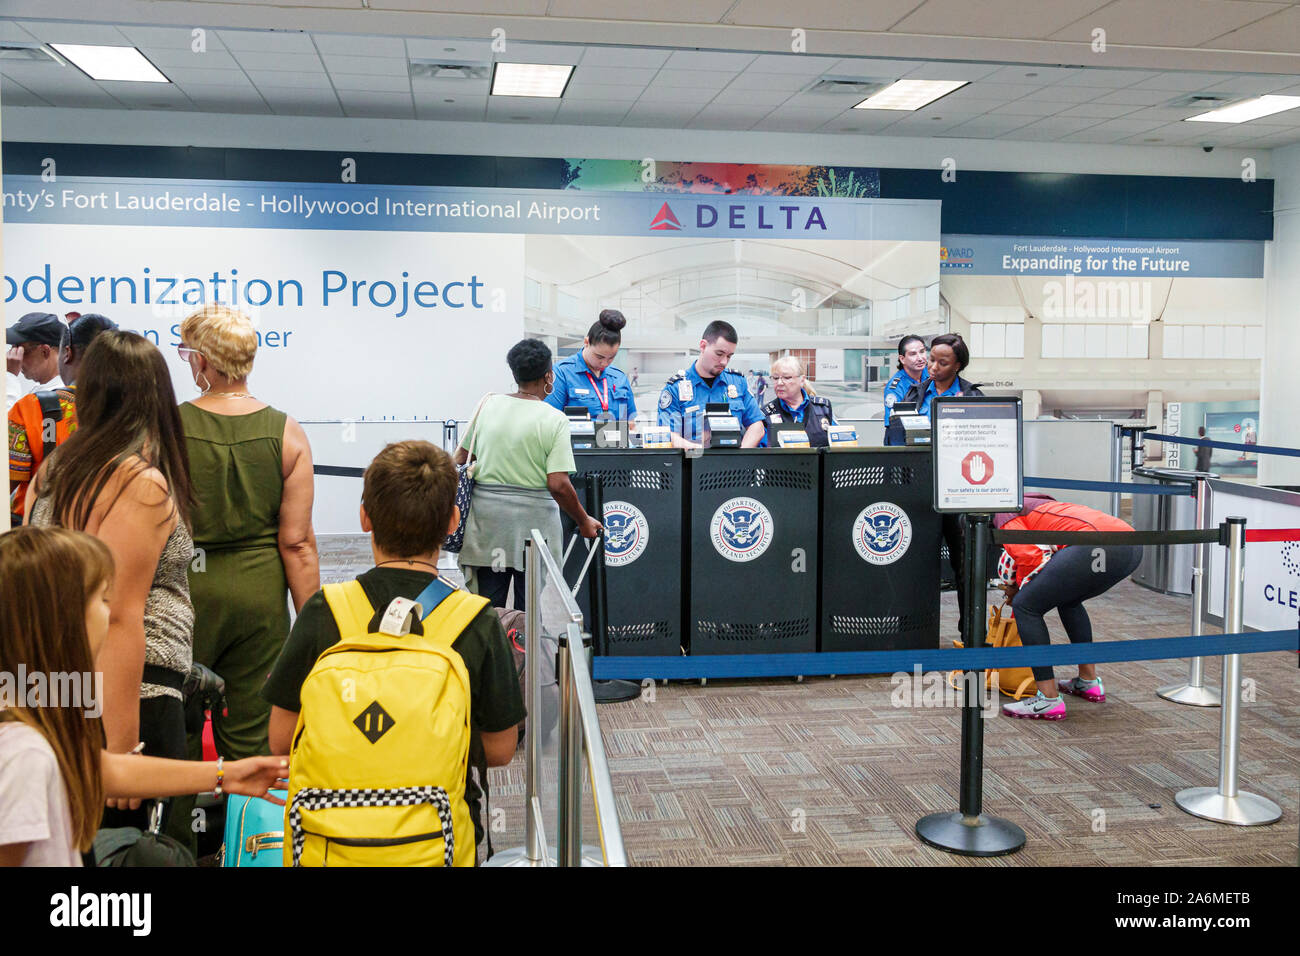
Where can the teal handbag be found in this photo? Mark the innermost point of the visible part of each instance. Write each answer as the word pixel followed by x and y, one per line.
pixel 254 834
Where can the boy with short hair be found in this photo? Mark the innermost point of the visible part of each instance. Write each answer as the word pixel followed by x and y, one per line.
pixel 408 506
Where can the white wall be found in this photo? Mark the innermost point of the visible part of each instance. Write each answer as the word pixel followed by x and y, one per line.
pixel 1279 423
pixel 168 128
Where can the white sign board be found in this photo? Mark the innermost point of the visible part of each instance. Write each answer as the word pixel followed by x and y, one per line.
pixel 978 463
pixel 830 365
pixel 1272 584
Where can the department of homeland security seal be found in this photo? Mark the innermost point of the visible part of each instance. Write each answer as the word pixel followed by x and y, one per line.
pixel 626 533
pixel 741 529
pixel 882 533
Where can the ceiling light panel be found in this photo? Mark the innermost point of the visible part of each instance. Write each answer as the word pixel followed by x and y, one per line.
pixel 910 94
pixel 1247 110
pixel 530 79
pixel 117 63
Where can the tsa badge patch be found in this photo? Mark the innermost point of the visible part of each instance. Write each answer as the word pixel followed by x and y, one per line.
pixel 882 533
pixel 741 529
pixel 626 533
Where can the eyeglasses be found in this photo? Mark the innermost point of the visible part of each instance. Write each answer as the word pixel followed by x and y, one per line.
pixel 785 378
pixel 185 353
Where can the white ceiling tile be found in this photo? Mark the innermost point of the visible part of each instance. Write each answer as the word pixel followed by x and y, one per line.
pixel 37 73
pixel 875 67
pixel 954 71
pixel 790 82
pixel 267 41
pixel 518 52
pixel 577 90
pixel 89 98
pixel 457 49
pixel 1028 73
pixel 989 125
pixel 1175 81
pixel 1279 33
pixel 1100 110
pixel 385 105
pixel 282 98
pixel 353 45
pixel 1166 23
pixel 12 32
pixel 214 59
pixel 522 8
pixel 223 78
pixel 199 93
pixel 170 38
pixel 532 106
pixel 726 119
pixel 1127 126
pixel 655 120
pixel 876 16
pixel 998 91
pixel 707 60
pixel 798 63
pixel 11 94
pixel 146 93
pixel 1104 78
pixel 280 62
pixel 471 110
pixel 250 105
pixel 767 98
pixel 925 126
pixel 369 65
pixel 1058 125
pixel 594 110
pixel 1013 20
pixel 445 88
pixel 1058 93
pixel 800 121
pixel 677 94
pixel 623 56
pixel 62 31
pixel 1253 85
pixel 287 78
pixel 614 76
pixel 1030 108
pixel 692 79
pixel 371 84
pixel 861 121
pixel 1137 97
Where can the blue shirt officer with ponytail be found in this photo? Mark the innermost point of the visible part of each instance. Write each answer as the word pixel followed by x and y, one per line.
pixel 588 377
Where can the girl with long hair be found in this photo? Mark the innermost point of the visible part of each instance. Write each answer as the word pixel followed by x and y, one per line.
pixel 55 598
pixel 123 476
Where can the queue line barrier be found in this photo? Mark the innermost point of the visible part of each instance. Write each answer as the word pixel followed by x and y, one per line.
pixel 1113 487
pixel 1227 445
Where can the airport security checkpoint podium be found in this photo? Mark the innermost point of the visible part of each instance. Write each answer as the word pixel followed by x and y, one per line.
pixel 880 538
pixel 752 538
pixel 644 504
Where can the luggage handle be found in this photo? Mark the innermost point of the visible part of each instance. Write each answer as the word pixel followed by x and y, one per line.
pixel 272 840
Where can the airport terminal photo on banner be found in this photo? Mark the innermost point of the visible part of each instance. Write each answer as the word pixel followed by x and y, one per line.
pixel 735 435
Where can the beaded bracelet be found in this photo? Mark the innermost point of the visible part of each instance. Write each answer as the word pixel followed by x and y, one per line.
pixel 221 775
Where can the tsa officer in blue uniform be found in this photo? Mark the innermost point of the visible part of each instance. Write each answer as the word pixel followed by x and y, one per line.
pixel 912 370
pixel 588 377
pixel 708 380
pixel 793 403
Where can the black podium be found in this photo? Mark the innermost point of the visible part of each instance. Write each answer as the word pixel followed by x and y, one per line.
pixel 752 559
pixel 880 539
pixel 644 502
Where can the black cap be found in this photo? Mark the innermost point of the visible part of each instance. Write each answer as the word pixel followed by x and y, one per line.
pixel 42 328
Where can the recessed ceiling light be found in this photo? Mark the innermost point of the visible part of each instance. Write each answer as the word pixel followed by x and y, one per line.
pixel 1031 74
pixel 120 63
pixel 1247 110
pixel 530 79
pixel 909 94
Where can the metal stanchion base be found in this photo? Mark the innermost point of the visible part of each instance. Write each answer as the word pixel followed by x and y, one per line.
pixel 615 691
pixel 1195 696
pixel 518 856
pixel 970 836
pixel 1243 810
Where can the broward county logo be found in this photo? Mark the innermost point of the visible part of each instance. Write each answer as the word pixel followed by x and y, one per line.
pixel 882 533
pixel 664 219
pixel 626 533
pixel 741 529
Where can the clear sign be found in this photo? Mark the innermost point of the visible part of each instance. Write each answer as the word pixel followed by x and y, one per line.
pixel 978 457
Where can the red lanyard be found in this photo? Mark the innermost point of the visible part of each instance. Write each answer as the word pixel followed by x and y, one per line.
pixel 604 397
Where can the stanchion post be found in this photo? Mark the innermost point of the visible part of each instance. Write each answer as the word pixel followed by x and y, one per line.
pixel 1194 691
pixel 1227 804
pixel 606 691
pixel 969 832
pixel 569 792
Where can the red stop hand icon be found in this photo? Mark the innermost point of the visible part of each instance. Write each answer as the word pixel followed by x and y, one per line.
pixel 977 468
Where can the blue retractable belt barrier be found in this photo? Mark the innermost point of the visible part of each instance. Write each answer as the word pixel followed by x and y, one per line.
pixel 1121 487
pixel 950 658
pixel 339 471
pixel 1230 446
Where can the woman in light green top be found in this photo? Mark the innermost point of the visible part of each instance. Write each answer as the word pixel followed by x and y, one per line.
pixel 523 460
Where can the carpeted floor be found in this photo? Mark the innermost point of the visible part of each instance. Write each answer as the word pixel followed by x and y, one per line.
pixel 830 772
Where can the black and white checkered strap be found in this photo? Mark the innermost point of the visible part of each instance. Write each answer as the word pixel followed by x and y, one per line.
pixel 316 799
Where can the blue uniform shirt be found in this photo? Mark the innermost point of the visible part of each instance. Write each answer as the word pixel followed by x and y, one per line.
pixel 897 387
pixel 928 394
pixel 682 401
pixel 576 384
pixel 796 416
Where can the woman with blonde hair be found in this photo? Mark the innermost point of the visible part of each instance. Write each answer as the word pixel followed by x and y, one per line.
pixel 797 402
pixel 251 469
pixel 55 599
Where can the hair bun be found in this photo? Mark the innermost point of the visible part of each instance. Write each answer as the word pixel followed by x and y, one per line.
pixel 612 319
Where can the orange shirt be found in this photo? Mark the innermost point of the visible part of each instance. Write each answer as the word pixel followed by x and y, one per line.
pixel 27 434
pixel 1054 516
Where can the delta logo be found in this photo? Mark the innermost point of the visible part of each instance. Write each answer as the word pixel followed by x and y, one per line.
pixel 736 216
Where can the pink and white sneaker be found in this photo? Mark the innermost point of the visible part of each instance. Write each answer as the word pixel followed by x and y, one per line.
pixel 1037 707
pixel 1088 690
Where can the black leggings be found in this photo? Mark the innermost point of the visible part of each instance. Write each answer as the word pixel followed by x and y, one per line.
pixel 495 585
pixel 1072 576
pixel 162 728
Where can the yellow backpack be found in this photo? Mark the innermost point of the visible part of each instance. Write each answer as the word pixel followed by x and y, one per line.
pixel 380 754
